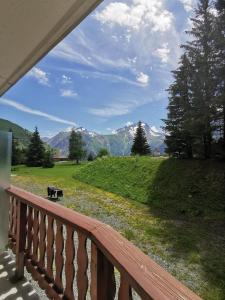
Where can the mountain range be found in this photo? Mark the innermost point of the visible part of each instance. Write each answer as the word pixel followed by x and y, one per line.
pixel 119 143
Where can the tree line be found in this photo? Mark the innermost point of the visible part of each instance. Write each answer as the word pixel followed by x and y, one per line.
pixel 38 154
pixel 195 124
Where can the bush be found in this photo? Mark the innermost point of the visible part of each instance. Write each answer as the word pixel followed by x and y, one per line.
pixel 103 152
pixel 48 161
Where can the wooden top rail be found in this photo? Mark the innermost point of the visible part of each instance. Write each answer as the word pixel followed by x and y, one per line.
pixel 143 274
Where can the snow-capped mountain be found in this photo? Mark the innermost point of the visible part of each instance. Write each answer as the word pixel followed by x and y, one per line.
pixel 118 143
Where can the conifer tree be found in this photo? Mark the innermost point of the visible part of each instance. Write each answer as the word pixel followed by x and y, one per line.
pixel 202 54
pixel 36 151
pixel 220 47
pixel 140 144
pixel 192 105
pixel 76 146
pixel 178 127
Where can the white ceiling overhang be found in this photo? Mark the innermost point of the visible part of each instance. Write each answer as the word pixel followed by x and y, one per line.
pixel 31 28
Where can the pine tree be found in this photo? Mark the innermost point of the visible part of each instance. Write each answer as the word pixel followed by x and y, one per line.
pixel 202 54
pixel 36 151
pixel 76 146
pixel 192 103
pixel 178 127
pixel 220 47
pixel 140 144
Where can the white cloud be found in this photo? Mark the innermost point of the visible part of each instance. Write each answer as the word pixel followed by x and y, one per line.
pixel 188 4
pixel 163 53
pixel 136 15
pixel 65 50
pixel 66 79
pixel 143 78
pixel 40 75
pixel 68 93
pixel 35 112
pixel 117 108
pixel 128 37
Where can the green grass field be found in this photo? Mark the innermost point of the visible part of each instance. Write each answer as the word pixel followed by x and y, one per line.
pixel 173 210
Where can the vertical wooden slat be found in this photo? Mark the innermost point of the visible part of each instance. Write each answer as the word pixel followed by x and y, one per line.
pixel 59 257
pixel 11 216
pixel 50 248
pixel 30 231
pixel 94 272
pixel 82 261
pixel 69 265
pixel 42 244
pixel 14 217
pixel 125 292
pixel 103 285
pixel 36 235
pixel 20 239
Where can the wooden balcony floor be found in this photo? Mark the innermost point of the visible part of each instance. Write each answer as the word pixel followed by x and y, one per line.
pixel 10 291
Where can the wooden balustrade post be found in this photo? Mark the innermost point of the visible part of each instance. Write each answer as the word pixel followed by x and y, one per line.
pixel 20 239
pixel 103 285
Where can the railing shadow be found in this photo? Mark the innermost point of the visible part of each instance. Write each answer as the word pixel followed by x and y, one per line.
pixel 189 199
pixel 11 291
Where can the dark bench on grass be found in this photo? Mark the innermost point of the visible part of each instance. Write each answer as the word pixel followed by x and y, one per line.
pixel 54 193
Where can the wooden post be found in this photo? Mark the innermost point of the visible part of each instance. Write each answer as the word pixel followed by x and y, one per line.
pixel 20 239
pixel 103 285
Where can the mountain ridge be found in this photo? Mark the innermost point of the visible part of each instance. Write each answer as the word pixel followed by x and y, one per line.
pixel 21 134
pixel 118 143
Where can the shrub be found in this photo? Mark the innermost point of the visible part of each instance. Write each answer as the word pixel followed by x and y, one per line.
pixel 103 152
pixel 48 161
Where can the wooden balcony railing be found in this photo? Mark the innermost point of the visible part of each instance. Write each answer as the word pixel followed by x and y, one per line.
pixel 72 256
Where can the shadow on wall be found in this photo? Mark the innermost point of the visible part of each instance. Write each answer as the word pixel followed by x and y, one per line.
pixel 189 197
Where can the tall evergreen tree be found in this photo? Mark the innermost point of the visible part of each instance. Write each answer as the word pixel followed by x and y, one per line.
pixel 140 144
pixel 76 146
pixel 192 105
pixel 220 47
pixel 178 127
pixel 202 54
pixel 36 151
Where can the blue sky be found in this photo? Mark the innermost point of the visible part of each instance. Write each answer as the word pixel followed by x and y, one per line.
pixel 112 69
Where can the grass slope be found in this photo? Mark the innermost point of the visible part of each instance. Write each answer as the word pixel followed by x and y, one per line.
pixel 189 188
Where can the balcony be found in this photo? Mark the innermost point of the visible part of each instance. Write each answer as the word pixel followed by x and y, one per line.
pixel 72 256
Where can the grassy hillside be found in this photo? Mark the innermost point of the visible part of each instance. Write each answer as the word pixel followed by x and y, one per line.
pixel 20 133
pixel 188 188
